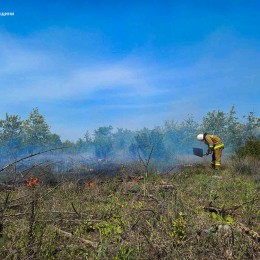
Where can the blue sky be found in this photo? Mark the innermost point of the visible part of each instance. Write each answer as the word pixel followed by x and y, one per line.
pixel 128 64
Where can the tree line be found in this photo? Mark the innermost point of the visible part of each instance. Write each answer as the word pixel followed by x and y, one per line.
pixel 20 137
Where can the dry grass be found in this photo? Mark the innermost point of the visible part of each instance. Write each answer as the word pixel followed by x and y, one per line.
pixel 159 217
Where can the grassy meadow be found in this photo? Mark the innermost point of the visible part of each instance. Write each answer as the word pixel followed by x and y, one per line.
pixel 191 212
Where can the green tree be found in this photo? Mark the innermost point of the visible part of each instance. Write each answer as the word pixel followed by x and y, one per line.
pixel 172 137
pixel 251 127
pixel 122 140
pixel 54 140
pixel 103 141
pixel 179 137
pixel 188 130
pixel 147 141
pixel 71 147
pixel 36 132
pixel 85 144
pixel 233 132
pixel 11 136
pixel 215 122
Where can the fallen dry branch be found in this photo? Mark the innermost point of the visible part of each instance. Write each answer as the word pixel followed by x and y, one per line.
pixel 214 209
pixel 75 210
pixel 58 213
pixel 82 240
pixel 17 214
pixel 66 212
pixel 242 204
pixel 211 208
pixel 76 221
pixel 166 186
pixel 29 156
pixel 54 213
pixel 130 178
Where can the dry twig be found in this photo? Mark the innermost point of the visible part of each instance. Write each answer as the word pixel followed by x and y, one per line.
pixel 211 208
pixel 29 156
pixel 82 240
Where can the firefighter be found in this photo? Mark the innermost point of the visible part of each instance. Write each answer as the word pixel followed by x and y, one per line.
pixel 215 147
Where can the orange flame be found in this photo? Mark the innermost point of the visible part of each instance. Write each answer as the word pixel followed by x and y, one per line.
pixel 91 184
pixel 33 182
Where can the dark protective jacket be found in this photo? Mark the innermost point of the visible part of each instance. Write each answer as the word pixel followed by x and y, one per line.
pixel 213 142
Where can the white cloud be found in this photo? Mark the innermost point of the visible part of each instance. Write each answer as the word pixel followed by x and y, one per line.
pixel 83 82
pixel 32 73
pixel 217 78
pixel 17 58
